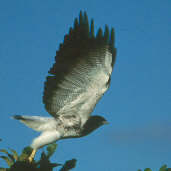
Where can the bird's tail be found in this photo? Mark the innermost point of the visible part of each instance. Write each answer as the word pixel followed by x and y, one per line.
pixel 36 122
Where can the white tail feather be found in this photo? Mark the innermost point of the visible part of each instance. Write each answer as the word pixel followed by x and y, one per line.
pixel 37 123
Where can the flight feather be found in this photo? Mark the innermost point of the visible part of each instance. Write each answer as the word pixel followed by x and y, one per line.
pixel 82 69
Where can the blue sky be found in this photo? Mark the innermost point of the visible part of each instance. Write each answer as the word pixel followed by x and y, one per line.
pixel 138 104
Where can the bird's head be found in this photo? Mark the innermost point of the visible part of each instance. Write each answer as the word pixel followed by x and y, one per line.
pixel 92 124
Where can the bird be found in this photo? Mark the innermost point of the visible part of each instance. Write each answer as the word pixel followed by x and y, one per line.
pixel 79 77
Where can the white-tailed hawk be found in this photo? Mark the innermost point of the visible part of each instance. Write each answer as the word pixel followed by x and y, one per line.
pixel 78 79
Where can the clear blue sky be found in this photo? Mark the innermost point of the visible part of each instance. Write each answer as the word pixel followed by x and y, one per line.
pixel 138 104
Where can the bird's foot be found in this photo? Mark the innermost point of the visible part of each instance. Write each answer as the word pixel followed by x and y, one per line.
pixel 31 157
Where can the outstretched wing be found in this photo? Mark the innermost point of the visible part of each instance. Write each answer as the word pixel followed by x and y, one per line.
pixel 82 70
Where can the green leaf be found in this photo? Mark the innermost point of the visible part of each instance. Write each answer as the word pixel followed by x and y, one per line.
pixel 9 155
pixel 3 169
pixel 51 149
pixel 8 160
pixel 4 151
pixel 45 164
pixel 70 164
pixel 15 155
pixel 27 150
pixel 147 169
pixel 25 153
pixel 163 168
pixel 24 166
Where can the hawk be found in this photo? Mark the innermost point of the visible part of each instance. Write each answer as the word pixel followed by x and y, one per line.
pixel 78 79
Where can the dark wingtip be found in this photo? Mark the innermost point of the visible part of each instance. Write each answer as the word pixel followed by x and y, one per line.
pixel 92 29
pixel 81 34
pixel 99 33
pixel 18 117
pixel 112 38
pixel 106 34
pixel 81 19
pixel 81 31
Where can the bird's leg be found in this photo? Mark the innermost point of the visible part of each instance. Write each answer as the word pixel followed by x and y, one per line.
pixel 31 157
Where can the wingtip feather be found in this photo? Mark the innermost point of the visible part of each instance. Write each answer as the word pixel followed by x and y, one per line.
pixel 17 117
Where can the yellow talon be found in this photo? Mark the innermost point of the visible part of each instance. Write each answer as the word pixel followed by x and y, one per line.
pixel 31 157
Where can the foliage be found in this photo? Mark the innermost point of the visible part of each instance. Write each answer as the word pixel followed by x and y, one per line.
pixel 163 168
pixel 18 162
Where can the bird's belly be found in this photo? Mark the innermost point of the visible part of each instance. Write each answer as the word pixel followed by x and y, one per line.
pixel 72 132
pixel 70 125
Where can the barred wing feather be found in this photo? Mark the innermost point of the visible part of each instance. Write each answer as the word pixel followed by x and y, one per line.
pixel 82 70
